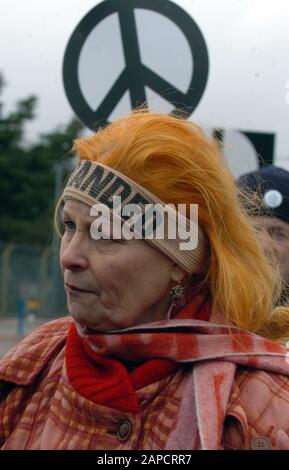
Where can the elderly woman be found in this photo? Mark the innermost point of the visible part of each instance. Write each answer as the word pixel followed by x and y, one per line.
pixel 166 347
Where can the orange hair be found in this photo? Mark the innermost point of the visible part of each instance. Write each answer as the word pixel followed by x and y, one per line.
pixel 173 159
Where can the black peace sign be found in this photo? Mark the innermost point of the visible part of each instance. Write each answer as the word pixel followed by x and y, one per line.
pixel 136 75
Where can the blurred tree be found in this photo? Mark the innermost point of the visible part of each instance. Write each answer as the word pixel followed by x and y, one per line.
pixel 27 176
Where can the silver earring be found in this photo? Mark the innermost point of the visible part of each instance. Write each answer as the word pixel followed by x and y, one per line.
pixel 177 292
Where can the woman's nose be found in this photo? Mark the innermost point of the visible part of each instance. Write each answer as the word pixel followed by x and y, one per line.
pixel 74 254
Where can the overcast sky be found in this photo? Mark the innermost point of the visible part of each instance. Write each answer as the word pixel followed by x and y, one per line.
pixel 247 40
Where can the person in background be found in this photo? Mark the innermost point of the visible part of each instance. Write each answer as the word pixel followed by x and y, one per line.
pixel 272 219
pixel 165 348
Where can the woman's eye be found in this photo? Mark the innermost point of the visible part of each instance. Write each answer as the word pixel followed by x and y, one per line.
pixel 69 225
pixel 277 234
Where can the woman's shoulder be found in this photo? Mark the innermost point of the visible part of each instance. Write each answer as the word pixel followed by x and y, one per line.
pixel 23 363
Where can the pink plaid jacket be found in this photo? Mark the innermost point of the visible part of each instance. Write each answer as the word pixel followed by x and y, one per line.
pixel 39 409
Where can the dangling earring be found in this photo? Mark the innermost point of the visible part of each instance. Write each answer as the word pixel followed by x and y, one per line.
pixel 177 292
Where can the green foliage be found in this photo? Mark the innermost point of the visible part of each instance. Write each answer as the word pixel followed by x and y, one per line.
pixel 27 175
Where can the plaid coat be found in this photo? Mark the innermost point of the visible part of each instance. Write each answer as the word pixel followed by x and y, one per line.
pixel 39 409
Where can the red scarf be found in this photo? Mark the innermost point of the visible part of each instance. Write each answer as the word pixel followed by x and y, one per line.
pixel 212 349
pixel 106 380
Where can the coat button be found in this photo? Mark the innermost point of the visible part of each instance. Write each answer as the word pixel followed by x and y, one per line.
pixel 125 430
pixel 261 443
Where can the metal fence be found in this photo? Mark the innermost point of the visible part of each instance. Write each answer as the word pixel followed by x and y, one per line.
pixel 30 279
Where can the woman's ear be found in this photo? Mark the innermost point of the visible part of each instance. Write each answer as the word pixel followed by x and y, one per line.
pixel 177 273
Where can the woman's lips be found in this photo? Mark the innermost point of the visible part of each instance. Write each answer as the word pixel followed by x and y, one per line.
pixel 74 290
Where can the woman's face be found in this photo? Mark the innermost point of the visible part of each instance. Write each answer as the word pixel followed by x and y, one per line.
pixel 112 284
